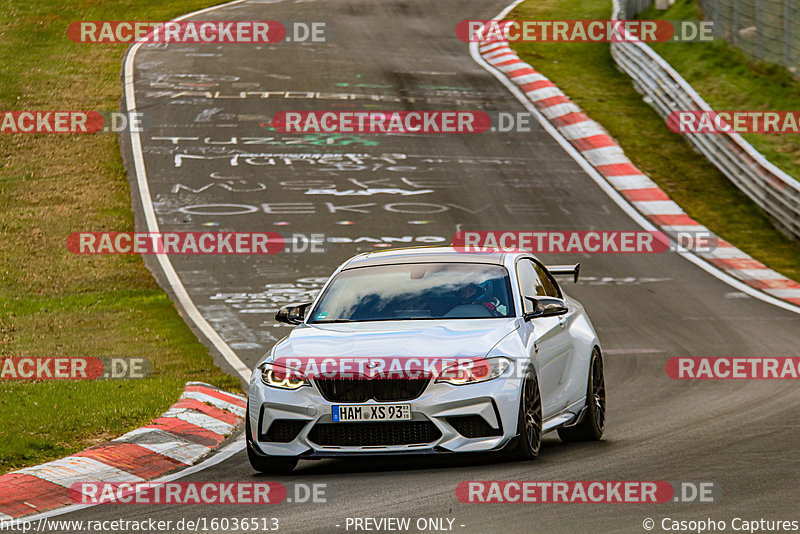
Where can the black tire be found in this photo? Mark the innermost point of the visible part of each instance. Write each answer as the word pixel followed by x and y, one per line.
pixel 263 463
pixel 529 422
pixel 594 421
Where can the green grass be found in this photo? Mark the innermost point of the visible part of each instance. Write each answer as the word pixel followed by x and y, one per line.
pixel 54 303
pixel 728 80
pixel 588 75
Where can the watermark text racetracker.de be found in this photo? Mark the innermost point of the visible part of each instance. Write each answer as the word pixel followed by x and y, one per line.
pixel 586 492
pixel 583 242
pixel 198 493
pixel 455 370
pixel 733 368
pixel 71 122
pixel 585 31
pixel 397 122
pixel 198 32
pixel 73 368
pixel 194 243
pixel 740 122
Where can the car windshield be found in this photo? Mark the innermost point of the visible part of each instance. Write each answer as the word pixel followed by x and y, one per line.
pixel 416 291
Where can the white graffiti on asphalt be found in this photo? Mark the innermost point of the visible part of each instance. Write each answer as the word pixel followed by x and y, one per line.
pixel 368 191
pixel 187 90
pixel 339 161
pixel 363 188
pixel 307 208
pixel 377 183
pixel 188 81
pixel 213 146
pixel 273 296
pixel 322 187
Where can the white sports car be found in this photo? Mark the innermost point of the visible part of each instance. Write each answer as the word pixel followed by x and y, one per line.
pixel 428 350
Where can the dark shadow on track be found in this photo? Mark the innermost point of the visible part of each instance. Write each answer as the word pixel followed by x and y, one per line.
pixel 552 451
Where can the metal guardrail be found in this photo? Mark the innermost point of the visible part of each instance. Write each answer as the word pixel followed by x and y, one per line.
pixel 774 191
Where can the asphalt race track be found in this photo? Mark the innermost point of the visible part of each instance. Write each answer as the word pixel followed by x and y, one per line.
pixel 213 163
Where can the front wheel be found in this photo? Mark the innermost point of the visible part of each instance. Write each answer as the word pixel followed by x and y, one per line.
pixel 529 424
pixel 594 420
pixel 274 465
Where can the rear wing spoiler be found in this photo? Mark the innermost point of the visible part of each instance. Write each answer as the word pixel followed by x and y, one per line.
pixel 566 270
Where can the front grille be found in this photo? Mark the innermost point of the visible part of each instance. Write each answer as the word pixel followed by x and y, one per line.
pixel 374 434
pixel 379 389
pixel 473 426
pixel 283 430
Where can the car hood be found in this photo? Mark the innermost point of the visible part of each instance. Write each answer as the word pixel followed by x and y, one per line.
pixel 446 338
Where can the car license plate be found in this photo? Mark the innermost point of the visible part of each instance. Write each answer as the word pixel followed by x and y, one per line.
pixel 372 412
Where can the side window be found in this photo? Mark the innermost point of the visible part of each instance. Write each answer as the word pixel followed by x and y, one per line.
pixel 530 285
pixel 550 288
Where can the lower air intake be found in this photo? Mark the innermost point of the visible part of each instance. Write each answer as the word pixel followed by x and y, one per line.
pixel 374 434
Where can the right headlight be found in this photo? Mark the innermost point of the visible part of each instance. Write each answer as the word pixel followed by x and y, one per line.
pixel 475 371
pixel 281 377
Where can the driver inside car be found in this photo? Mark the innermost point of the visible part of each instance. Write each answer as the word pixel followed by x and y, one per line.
pixel 481 294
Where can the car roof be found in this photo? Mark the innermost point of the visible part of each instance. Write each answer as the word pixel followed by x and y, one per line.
pixel 424 255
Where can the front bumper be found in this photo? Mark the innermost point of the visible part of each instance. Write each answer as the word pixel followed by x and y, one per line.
pixel 496 401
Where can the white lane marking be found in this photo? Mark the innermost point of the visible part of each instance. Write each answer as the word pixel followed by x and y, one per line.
pixel 152 223
pixel 607 188
pixel 73 469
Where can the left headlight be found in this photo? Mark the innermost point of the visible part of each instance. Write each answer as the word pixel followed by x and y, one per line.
pixel 278 376
pixel 475 371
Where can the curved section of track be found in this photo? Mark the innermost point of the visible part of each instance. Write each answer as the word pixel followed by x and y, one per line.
pixel 212 162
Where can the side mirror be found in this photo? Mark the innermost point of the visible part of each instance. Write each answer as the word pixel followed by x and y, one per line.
pixel 292 313
pixel 545 307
